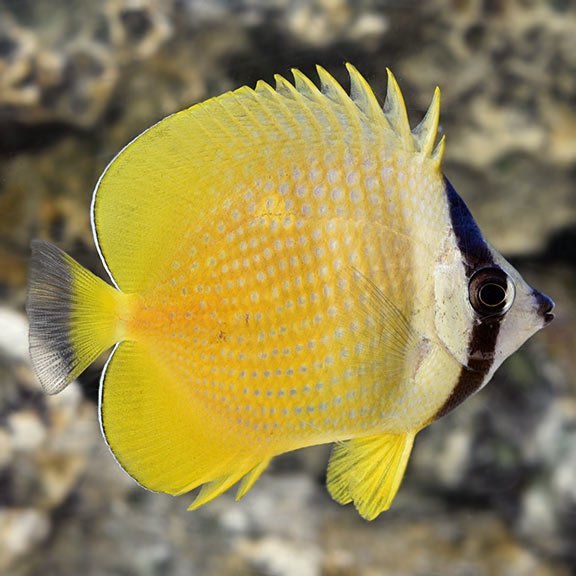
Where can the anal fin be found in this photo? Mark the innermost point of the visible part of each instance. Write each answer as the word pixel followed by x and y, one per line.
pixel 164 436
pixel 368 471
pixel 250 478
pixel 213 489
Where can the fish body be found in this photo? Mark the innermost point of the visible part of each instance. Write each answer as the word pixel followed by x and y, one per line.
pixel 290 268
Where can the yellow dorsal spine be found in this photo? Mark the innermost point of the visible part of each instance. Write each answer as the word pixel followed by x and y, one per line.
pixel 396 114
pixel 363 96
pixel 425 133
pixel 285 88
pixel 306 87
pixel 278 106
pixel 332 104
pixel 438 153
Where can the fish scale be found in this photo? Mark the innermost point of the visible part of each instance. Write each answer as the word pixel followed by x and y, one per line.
pixel 290 268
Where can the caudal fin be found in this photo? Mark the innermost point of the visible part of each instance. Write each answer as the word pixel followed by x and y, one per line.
pixel 73 316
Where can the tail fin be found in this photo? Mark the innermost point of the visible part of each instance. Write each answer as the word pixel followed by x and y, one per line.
pixel 73 316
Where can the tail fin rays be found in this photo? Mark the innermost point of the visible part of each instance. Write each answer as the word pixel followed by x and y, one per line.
pixel 73 316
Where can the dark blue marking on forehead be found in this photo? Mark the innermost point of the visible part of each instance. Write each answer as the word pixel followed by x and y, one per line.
pixel 484 337
pixel 468 236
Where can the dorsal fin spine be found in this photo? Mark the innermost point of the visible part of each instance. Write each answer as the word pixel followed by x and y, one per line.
pixel 306 87
pixel 285 88
pixel 263 88
pixel 329 104
pixel 396 114
pixel 334 91
pixel 225 126
pixel 438 153
pixel 242 95
pixel 266 111
pixel 363 96
pixel 425 133
pixel 324 101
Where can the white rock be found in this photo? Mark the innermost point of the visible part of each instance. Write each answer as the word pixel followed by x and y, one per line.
pixel 13 335
pixel 27 431
pixel 20 531
pixel 282 558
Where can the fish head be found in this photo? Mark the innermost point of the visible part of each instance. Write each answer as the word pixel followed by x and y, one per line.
pixel 484 309
pixel 501 294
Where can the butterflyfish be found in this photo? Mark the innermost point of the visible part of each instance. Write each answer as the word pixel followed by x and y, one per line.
pixel 289 267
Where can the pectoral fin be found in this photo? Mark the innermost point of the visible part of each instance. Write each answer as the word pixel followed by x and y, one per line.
pixel 368 471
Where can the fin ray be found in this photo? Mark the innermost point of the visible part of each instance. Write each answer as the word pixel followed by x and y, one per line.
pixel 389 338
pixel 438 153
pixel 425 133
pixel 213 489
pixel 250 479
pixel 73 314
pixel 369 471
pixel 362 95
pixel 396 114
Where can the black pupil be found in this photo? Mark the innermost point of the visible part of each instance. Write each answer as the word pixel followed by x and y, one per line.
pixel 492 295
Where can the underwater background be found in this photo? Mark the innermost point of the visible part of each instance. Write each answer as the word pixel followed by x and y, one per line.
pixel 491 488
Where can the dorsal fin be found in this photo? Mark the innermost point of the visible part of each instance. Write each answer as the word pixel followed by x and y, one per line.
pixel 285 88
pixel 396 114
pixel 425 133
pixel 305 86
pixel 324 113
pixel 438 153
pixel 332 89
pixel 362 95
pixel 186 163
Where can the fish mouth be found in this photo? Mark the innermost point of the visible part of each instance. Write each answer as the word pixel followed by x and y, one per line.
pixel 545 305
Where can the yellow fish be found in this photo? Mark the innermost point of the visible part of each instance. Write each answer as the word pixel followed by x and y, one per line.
pixel 290 268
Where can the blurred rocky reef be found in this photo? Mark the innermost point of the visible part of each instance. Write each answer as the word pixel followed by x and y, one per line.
pixel 491 488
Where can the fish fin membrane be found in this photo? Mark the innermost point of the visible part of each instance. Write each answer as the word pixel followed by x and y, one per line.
pixel 390 342
pixel 213 489
pixel 73 316
pixel 190 162
pixel 217 487
pixel 163 434
pixel 396 113
pixel 250 479
pixel 368 471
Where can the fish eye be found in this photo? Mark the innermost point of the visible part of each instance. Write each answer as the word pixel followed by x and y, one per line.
pixel 491 292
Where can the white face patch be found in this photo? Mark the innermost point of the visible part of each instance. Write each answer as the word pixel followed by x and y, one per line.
pixel 485 310
pixel 453 317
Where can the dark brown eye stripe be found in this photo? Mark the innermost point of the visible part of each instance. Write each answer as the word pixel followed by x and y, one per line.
pixel 484 336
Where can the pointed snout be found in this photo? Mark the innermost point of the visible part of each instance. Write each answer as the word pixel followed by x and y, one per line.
pixel 544 306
